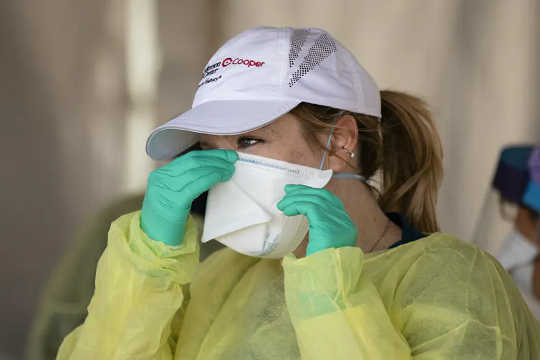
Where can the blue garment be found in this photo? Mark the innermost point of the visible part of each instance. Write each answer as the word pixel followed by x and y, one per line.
pixel 512 174
pixel 408 232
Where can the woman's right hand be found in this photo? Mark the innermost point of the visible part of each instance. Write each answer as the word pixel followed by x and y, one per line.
pixel 172 188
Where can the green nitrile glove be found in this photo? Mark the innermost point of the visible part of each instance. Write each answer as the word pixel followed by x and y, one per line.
pixel 329 225
pixel 172 188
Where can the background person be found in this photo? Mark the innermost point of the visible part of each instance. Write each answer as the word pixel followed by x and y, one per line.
pixel 517 182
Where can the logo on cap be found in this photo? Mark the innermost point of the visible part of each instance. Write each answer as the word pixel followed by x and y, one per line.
pixel 213 68
pixel 239 61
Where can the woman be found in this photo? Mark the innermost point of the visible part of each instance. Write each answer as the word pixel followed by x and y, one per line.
pixel 289 115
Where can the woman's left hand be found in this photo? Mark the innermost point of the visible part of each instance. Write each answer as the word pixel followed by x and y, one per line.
pixel 329 224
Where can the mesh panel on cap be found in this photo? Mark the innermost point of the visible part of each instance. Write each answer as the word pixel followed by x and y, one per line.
pixel 323 47
pixel 297 41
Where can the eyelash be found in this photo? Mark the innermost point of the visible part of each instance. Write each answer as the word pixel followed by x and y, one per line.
pixel 250 139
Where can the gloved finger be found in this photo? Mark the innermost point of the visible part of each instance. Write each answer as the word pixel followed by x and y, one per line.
pixel 203 183
pixel 190 163
pixel 303 189
pixel 224 154
pixel 316 198
pixel 169 202
pixel 228 156
pixel 317 213
pixel 311 210
pixel 179 182
pixel 293 187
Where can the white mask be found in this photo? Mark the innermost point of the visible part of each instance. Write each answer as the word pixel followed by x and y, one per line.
pixel 242 213
pixel 516 251
pixel 517 256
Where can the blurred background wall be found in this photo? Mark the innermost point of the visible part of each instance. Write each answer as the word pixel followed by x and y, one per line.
pixel 84 82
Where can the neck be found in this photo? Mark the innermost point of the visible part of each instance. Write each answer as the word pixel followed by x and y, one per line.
pixel 375 231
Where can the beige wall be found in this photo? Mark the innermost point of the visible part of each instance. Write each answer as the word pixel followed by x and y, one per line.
pixel 67 103
pixel 55 130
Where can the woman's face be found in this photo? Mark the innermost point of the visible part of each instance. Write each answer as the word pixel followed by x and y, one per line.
pixel 283 139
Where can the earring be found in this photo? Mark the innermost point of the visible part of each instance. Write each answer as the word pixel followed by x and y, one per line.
pixel 351 153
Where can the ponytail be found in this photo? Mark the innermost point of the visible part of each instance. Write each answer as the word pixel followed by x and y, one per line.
pixel 403 145
pixel 411 160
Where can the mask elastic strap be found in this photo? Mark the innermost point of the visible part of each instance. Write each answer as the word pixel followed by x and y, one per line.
pixel 325 153
pixel 341 175
pixel 349 176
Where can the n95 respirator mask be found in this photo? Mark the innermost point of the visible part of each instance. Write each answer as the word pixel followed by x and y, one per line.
pixel 242 213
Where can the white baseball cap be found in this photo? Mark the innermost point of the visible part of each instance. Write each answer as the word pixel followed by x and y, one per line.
pixel 261 74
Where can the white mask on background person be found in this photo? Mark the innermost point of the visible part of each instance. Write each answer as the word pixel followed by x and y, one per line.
pixel 523 276
pixel 516 251
pixel 517 256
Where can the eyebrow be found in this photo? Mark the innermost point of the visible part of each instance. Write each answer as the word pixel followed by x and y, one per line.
pixel 265 130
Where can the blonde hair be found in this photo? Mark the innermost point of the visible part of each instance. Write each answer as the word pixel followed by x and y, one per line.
pixel 403 145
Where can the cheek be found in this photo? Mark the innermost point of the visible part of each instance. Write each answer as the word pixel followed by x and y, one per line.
pixel 306 159
pixel 298 152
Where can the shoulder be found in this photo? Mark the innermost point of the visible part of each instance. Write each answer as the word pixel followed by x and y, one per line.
pixel 437 241
pixel 442 248
pixel 456 262
pixel 440 266
pixel 442 288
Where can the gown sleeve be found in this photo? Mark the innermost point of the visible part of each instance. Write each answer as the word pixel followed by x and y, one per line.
pixel 436 298
pixel 141 291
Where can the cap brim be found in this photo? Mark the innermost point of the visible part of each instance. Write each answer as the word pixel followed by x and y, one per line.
pixel 230 117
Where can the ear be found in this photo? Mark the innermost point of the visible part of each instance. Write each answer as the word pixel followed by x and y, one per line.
pixel 344 141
